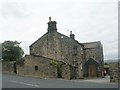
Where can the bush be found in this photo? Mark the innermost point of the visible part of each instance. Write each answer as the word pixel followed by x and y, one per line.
pixel 53 62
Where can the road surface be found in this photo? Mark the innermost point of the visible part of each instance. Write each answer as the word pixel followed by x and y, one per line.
pixel 16 81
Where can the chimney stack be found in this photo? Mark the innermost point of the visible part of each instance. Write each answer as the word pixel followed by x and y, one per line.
pixel 72 36
pixel 52 25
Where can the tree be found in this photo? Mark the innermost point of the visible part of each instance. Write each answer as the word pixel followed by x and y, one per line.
pixel 11 51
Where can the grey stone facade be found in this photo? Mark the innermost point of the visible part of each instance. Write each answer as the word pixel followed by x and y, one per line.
pixel 78 60
pixel 43 65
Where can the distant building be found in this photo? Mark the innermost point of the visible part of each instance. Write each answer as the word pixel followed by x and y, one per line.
pixel 55 55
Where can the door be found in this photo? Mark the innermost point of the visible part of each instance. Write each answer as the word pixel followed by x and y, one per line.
pixel 92 70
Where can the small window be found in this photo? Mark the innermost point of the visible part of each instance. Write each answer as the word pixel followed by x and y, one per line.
pixel 36 67
pixel 81 48
pixel 62 37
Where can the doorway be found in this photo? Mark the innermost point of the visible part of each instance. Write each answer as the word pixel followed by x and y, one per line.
pixel 15 68
pixel 91 68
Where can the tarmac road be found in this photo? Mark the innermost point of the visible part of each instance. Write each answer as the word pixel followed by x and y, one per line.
pixel 16 81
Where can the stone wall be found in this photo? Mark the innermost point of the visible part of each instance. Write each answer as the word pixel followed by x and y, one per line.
pixel 95 53
pixel 44 68
pixel 80 72
pixel 114 72
pixel 7 67
pixel 66 71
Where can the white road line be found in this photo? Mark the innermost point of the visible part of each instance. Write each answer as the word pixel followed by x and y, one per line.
pixel 24 83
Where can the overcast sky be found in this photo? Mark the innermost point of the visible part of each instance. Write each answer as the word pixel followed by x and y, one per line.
pixel 89 20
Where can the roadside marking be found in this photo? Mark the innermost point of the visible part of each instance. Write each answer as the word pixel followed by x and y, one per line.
pixel 24 83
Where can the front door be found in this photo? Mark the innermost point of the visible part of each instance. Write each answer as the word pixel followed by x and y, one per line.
pixel 92 70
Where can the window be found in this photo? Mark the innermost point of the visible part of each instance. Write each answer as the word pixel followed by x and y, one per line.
pixel 81 48
pixel 81 66
pixel 62 37
pixel 36 67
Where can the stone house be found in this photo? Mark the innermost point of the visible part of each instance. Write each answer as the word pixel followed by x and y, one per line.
pixel 71 59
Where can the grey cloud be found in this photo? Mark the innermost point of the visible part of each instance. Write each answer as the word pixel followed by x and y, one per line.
pixel 13 9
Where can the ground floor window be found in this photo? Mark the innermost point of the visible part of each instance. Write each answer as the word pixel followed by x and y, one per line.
pixel 36 67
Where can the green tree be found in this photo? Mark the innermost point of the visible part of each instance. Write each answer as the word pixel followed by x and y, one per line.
pixel 11 51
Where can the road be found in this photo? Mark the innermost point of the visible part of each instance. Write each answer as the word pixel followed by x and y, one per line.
pixel 16 81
